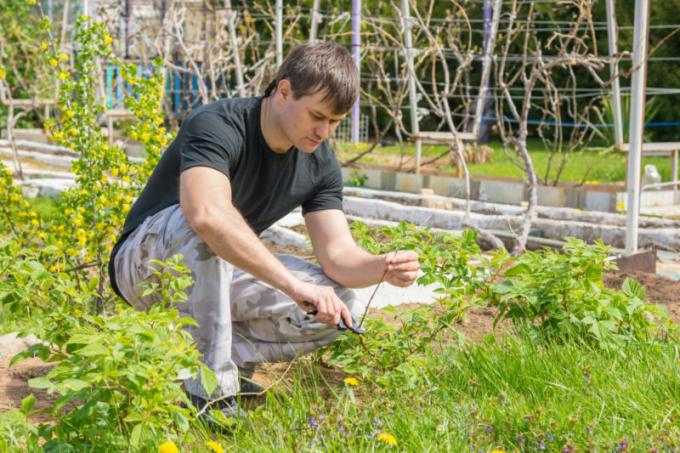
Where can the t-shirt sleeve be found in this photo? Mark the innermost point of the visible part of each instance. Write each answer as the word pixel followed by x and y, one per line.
pixel 209 142
pixel 329 195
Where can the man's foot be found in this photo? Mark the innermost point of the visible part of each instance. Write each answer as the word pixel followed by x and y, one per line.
pixel 246 383
pixel 227 406
pixel 247 386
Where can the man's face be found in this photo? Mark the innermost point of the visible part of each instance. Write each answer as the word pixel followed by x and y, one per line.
pixel 308 120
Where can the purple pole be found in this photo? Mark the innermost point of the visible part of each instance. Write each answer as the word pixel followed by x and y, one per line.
pixel 356 47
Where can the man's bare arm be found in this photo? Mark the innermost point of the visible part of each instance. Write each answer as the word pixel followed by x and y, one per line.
pixel 348 264
pixel 205 200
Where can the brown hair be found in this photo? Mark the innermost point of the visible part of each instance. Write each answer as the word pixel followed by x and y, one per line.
pixel 321 66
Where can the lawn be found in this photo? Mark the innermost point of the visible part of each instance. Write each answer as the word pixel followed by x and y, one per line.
pixel 588 164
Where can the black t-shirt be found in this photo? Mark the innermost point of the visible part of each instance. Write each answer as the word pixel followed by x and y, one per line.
pixel 266 185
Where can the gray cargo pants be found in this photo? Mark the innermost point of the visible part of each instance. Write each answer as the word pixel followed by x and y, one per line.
pixel 241 320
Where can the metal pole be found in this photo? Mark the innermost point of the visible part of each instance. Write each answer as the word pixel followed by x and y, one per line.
pixel 315 21
pixel 612 33
pixel 231 22
pixel 279 32
pixel 408 42
pixel 356 54
pixel 489 44
pixel 637 122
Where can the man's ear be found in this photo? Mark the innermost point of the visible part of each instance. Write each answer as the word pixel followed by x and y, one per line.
pixel 284 89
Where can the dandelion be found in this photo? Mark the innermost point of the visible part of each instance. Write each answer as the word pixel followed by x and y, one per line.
pixel 108 40
pixel 53 62
pixel 3 74
pixel 63 57
pixel 215 446
pixel 351 381
pixel 387 438
pixel 168 447
pixel 63 75
pixel 44 46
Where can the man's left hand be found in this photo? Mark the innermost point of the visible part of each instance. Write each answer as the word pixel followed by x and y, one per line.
pixel 402 268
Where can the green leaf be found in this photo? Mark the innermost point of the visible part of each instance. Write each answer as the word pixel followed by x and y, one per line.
pixel 208 380
pixel 75 384
pixel 632 288
pixel 40 383
pixel 136 435
pixel 28 403
pixel 519 269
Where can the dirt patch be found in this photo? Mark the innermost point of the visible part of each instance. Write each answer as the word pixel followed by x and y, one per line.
pixel 658 289
pixel 14 386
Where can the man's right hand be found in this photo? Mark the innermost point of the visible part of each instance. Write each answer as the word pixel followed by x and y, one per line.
pixel 324 300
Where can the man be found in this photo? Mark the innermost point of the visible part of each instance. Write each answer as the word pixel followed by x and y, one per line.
pixel 236 167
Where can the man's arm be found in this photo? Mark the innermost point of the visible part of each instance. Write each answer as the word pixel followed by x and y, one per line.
pixel 205 200
pixel 348 264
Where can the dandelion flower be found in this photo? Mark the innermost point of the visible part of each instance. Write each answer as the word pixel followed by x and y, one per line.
pixel 168 447
pixel 214 446
pixel 3 74
pixel 63 57
pixel 108 39
pixel 351 381
pixel 387 438
pixel 53 62
pixel 44 46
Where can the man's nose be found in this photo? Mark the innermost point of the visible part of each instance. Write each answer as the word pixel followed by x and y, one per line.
pixel 322 130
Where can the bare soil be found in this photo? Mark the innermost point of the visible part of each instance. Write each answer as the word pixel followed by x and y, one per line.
pixel 479 322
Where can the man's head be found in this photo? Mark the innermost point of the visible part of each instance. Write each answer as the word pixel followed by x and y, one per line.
pixel 315 87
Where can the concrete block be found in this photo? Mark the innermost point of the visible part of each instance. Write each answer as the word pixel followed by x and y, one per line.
pixel 551 196
pixel 408 182
pixel 599 201
pixel 501 192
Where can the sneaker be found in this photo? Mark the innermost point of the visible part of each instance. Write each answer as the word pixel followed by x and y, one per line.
pixel 249 387
pixel 229 408
pixel 246 383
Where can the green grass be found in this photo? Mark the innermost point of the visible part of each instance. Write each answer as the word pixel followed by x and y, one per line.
pixel 498 394
pixel 590 164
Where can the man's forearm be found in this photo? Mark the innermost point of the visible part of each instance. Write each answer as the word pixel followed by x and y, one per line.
pixel 355 267
pixel 229 236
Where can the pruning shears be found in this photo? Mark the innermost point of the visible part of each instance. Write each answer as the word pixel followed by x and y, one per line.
pixel 342 326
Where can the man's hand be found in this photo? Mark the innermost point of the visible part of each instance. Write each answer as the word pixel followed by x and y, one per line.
pixel 402 268
pixel 324 300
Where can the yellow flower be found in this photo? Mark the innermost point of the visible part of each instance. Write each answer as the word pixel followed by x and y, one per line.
pixel 168 447
pixel 63 57
pixel 351 381
pixel 15 197
pixel 63 75
pixel 34 222
pixel 3 74
pixel 31 2
pixel 387 438
pixel 146 136
pixel 214 446
pixel 53 62
pixel 69 113
pixel 107 39
pixel 114 172
pixel 44 46
pixel 497 451
pixel 73 131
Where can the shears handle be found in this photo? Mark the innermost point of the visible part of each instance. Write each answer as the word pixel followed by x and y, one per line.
pixel 342 326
